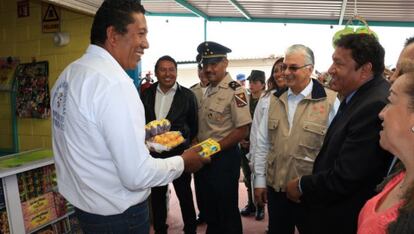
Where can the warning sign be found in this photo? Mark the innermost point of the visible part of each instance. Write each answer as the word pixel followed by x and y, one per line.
pixel 50 18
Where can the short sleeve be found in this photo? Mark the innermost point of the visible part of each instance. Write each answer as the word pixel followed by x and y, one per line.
pixel 240 108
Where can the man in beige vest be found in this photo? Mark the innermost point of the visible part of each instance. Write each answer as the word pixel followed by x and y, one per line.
pixel 288 143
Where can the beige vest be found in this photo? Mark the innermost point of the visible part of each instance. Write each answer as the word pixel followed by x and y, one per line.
pixel 292 154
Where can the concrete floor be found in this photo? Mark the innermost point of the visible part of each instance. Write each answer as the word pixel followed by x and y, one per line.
pixel 250 225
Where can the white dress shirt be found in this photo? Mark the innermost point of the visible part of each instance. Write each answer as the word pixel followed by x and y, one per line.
pixel 262 139
pixel 163 101
pixel 103 166
pixel 260 112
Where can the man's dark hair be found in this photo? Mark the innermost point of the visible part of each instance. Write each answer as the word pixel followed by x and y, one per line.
pixel 165 58
pixel 409 41
pixel 117 13
pixel 365 49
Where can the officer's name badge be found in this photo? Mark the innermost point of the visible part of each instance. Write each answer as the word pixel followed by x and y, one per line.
pixel 240 99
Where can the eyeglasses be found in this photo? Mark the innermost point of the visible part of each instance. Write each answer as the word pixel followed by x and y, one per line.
pixel 293 68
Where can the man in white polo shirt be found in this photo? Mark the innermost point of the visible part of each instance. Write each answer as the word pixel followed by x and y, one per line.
pixel 103 166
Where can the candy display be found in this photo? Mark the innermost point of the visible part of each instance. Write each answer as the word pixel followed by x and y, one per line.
pixel 4 222
pixel 39 201
pixel 36 182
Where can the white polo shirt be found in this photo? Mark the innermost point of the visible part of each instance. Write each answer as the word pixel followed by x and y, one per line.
pixel 103 166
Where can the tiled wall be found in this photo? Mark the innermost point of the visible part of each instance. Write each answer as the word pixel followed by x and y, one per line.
pixel 23 38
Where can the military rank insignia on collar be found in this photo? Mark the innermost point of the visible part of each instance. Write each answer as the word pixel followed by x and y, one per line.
pixel 240 99
pixel 234 85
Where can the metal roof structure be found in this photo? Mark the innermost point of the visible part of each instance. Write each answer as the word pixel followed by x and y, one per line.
pixel 399 13
pixel 377 13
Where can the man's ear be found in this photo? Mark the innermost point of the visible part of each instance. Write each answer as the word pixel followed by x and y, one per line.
pixel 366 70
pixel 111 35
pixel 226 62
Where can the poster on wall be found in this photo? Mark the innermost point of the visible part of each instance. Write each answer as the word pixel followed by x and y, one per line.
pixel 7 68
pixel 32 91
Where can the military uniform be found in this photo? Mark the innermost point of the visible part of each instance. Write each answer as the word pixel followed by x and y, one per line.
pixel 198 92
pixel 220 113
pixel 223 109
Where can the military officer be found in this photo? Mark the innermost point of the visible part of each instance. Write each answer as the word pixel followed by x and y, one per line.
pixel 223 116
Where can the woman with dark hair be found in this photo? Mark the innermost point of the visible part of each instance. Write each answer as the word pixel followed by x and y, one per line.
pixel 392 210
pixel 276 81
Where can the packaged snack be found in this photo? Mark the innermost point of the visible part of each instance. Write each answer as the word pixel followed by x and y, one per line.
pixel 157 127
pixel 208 147
pixel 165 141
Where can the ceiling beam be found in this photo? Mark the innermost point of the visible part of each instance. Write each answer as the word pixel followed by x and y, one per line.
pixel 343 9
pixel 192 8
pixel 240 9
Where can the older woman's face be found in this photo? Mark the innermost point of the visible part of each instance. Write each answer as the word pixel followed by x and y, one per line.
pixel 397 119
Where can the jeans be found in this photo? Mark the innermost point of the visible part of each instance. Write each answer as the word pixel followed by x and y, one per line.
pixel 133 220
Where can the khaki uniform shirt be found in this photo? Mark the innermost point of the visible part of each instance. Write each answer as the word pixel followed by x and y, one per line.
pixel 293 152
pixel 198 92
pixel 224 108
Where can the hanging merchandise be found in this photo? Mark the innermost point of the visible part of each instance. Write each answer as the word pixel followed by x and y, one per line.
pixel 350 28
pixel 360 26
pixel 32 90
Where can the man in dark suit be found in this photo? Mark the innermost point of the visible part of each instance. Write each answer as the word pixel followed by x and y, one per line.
pixel 351 162
pixel 167 99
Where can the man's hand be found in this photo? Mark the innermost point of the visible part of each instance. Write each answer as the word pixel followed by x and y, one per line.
pixel 193 161
pixel 292 190
pixel 260 196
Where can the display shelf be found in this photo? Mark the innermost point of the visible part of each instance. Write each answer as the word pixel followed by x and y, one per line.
pixel 10 167
pixel 16 163
pixel 52 222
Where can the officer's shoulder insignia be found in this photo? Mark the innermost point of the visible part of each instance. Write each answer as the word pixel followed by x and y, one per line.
pixel 241 99
pixel 234 85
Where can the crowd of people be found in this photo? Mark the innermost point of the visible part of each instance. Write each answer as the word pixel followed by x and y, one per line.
pixel 314 151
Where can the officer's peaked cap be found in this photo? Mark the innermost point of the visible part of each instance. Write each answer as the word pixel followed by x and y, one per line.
pixel 212 52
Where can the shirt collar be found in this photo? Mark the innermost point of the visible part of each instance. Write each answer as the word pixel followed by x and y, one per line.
pixel 102 52
pixel 349 97
pixel 305 92
pixel 224 83
pixel 172 89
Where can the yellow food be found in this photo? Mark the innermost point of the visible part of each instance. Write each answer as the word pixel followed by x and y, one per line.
pixel 169 139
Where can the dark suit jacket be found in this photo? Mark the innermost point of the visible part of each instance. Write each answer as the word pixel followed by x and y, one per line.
pixel 350 164
pixel 183 116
